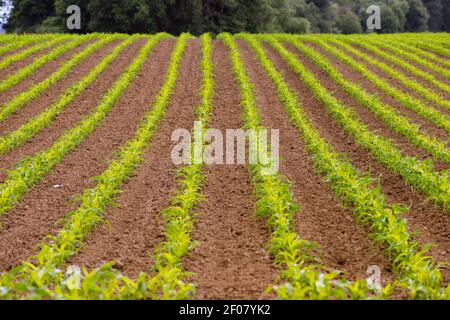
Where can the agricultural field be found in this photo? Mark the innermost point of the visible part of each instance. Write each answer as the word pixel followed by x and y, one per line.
pixel 92 205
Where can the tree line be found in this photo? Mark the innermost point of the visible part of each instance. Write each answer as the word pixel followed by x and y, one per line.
pixel 256 16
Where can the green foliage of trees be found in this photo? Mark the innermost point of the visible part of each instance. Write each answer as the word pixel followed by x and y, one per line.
pixel 256 16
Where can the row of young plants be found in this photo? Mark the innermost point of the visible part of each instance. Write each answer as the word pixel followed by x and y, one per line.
pixel 422 54
pixel 386 113
pixel 34 91
pixel 26 131
pixel 27 71
pixel 170 281
pixel 416 87
pixel 419 174
pixel 30 170
pixel 416 105
pixel 300 275
pixel 436 48
pixel 411 57
pixel 7 61
pixel 398 62
pixel 19 42
pixel 40 277
pixel 417 272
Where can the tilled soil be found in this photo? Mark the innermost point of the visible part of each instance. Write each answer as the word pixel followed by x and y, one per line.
pixel 16 66
pixel 135 225
pixel 343 244
pixel 42 73
pixel 231 261
pixel 372 122
pixel 410 75
pixel 74 111
pixel 433 222
pixel 41 208
pixel 396 83
pixel 349 73
pixel 51 94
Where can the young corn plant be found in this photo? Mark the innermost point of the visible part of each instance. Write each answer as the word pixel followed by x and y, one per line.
pixel 416 105
pixel 7 61
pixel 41 278
pixel 31 170
pixel 386 113
pixel 27 71
pixel 302 278
pixel 426 93
pixel 417 272
pixel 25 97
pixel 419 174
pixel 25 132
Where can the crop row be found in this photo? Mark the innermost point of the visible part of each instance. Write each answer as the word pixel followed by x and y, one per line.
pixel 44 279
pixel 386 113
pixel 26 131
pixel 424 55
pixel 22 41
pixel 34 91
pixel 398 62
pixel 419 174
pixel 416 105
pixel 408 83
pixel 30 170
pixel 20 75
pixel 170 280
pixel 301 277
pixel 416 270
pixel 411 57
pixel 4 63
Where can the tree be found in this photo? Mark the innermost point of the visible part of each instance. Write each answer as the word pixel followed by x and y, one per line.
pixel 28 14
pixel 417 17
pixel 131 16
pixel 348 23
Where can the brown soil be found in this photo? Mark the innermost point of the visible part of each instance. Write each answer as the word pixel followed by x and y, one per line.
pixel 41 74
pixel 432 221
pixel 231 261
pixel 39 210
pixel 367 116
pixel 349 73
pixel 52 94
pixel 16 66
pixel 79 107
pixel 396 83
pixel 411 76
pixel 323 219
pixel 135 226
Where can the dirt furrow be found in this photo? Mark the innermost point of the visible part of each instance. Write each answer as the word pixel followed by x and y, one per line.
pixel 432 222
pixel 79 107
pixel 16 66
pixel 52 94
pixel 42 73
pixel 367 116
pixel 368 86
pixel 394 82
pixel 231 261
pixel 134 226
pixel 40 209
pixel 410 75
pixel 323 219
